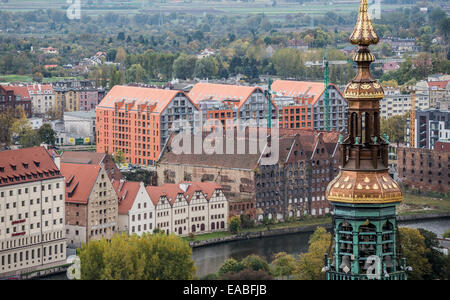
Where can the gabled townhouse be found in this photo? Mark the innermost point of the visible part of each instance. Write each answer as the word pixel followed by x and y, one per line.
pixel 162 199
pixel 136 209
pixel 91 204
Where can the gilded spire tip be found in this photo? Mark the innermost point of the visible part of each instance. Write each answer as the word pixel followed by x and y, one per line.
pixel 363 34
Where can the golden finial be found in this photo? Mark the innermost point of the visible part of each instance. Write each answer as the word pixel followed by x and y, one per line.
pixel 363 34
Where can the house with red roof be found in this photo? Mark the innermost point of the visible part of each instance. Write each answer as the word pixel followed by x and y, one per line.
pixel 91 203
pixel 42 97
pixel 189 207
pixel 136 209
pixel 32 221
pixel 138 120
pixel 12 96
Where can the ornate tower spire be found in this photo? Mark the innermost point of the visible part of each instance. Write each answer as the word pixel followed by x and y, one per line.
pixel 363 194
pixel 363 33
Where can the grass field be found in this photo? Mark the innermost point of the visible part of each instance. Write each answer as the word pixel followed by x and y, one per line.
pixel 29 78
pixel 414 204
pixel 194 7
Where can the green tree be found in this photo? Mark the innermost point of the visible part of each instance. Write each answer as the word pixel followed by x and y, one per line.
pixel 288 63
pixel 135 74
pixel 184 66
pixel 119 157
pixel 47 134
pixel 415 252
pixel 446 234
pixel 283 264
pixel 255 262
pixel 230 266
pixel 207 67
pixel 235 224
pixel 438 261
pixel 311 263
pixel 29 138
pixel 149 257
pixel 394 127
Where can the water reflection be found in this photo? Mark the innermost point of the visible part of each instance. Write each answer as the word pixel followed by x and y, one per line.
pixel 209 259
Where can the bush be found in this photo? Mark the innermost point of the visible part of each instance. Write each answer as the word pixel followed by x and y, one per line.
pixel 235 225
pixel 446 234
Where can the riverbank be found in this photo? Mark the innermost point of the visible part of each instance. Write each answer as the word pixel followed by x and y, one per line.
pixel 285 229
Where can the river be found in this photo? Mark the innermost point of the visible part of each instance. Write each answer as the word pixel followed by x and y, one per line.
pixel 209 259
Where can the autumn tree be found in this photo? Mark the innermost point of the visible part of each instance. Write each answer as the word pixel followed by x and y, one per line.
pixel 283 264
pixel 311 263
pixel 415 251
pixel 119 157
pixel 149 257
pixel 230 265
pixel 255 262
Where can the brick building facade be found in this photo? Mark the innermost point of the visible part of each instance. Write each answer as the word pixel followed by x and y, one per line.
pixel 424 169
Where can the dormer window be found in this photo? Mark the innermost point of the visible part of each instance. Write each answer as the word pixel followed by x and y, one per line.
pixel 13 167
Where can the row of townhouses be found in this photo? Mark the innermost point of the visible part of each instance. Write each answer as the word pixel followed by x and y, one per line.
pixel 50 202
pixel 51 99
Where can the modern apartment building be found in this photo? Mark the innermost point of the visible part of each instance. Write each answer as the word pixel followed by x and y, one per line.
pixel 231 102
pixel 91 203
pixel 139 121
pixel 32 221
pixel 431 126
pixel 395 103
pixel 313 94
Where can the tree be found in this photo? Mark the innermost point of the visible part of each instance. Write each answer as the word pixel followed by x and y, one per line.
pixel 311 263
pixel 29 138
pixel 135 73
pixel 184 66
pixel 47 134
pixel 230 266
pixel 288 63
pixel 206 67
pixel 415 251
pixel 149 257
pixel 284 265
pixel 119 157
pixel 446 234
pixel 439 263
pixel 121 55
pixel 235 225
pixel 394 127
pixel 255 263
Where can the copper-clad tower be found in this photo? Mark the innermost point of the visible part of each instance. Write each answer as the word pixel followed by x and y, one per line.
pixel 364 195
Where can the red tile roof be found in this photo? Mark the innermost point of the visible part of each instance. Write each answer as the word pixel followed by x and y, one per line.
pixel 171 190
pixel 26 165
pixel 80 180
pixel 19 90
pixel 127 192
pixel 222 92
pixel 140 96
pixel 306 89
pixel 438 84
pixel 40 89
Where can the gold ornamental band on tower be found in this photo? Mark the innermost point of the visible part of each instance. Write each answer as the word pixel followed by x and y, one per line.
pixel 363 34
